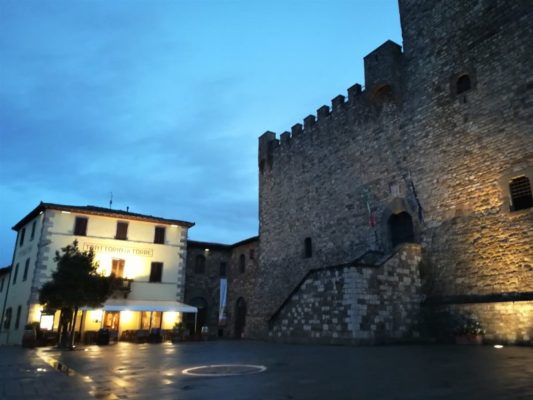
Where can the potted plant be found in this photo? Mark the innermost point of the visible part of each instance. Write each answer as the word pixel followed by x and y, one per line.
pixel 469 331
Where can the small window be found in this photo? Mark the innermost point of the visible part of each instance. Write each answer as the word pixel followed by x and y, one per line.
pixel 223 268
pixel 117 267
pixel 17 319
pixel 252 254
pixel 33 230
pixel 463 84
pixel 2 285
pixel 15 273
pixel 156 272
pixel 520 190
pixel 80 226
pixel 308 248
pixel 26 268
pixel 122 231
pixel 199 265
pixel 22 234
pixel 159 235
pixel 7 318
pixel 242 264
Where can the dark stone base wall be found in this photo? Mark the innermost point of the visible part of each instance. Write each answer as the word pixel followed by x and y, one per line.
pixel 355 304
pixel 509 322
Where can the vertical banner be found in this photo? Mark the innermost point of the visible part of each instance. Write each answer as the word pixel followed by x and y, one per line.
pixel 222 302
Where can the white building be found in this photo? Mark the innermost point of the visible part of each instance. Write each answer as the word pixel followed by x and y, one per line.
pixel 149 251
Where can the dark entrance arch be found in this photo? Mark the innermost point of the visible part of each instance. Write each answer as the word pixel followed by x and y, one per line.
pixel 401 228
pixel 240 317
pixel 188 319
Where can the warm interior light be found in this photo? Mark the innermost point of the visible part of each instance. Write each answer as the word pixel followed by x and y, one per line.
pixel 47 322
pixel 96 315
pixel 170 317
pixel 126 316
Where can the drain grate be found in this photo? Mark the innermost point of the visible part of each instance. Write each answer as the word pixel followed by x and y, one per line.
pixel 224 370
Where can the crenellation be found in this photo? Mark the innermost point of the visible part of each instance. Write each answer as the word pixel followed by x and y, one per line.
pixel 337 103
pixel 297 129
pixel 285 138
pixel 322 112
pixel 309 121
pixel 354 92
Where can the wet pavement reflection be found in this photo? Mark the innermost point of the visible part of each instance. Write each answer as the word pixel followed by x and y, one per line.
pixel 129 371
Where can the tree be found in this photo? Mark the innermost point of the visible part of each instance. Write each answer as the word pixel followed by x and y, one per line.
pixel 75 284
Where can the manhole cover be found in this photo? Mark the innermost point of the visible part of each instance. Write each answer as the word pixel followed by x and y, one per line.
pixel 224 370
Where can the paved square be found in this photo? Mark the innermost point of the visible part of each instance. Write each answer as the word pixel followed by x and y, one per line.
pixel 132 371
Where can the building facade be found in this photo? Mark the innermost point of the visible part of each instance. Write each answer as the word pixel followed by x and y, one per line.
pixel 147 252
pixel 213 268
pixel 435 149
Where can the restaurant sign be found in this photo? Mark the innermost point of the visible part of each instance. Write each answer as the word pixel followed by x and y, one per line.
pixel 118 250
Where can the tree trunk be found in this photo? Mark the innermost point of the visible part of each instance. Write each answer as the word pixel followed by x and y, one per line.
pixel 73 327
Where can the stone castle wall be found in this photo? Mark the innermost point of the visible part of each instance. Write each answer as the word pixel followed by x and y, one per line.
pixel 206 285
pixel 408 142
pixel 355 303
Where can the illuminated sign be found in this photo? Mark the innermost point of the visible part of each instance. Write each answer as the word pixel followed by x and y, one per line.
pixel 119 250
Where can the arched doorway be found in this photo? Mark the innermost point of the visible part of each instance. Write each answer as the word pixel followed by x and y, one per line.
pixel 401 228
pixel 240 317
pixel 201 319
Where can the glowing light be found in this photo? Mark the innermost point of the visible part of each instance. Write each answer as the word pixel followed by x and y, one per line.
pixel 47 322
pixel 174 226
pixel 498 346
pixel 65 212
pixel 41 369
pixel 206 250
pixel 170 317
pixel 96 315
pixel 126 316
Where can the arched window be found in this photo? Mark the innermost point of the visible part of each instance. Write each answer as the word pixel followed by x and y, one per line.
pixel 520 190
pixel 401 228
pixel 242 264
pixel 199 265
pixel 308 248
pixel 463 84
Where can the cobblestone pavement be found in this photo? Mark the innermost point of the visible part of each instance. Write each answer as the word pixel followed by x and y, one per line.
pixel 133 371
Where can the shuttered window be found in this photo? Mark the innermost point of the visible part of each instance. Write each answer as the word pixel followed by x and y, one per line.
pixel 159 236
pixel 80 226
pixel 156 272
pixel 117 268
pixel 122 231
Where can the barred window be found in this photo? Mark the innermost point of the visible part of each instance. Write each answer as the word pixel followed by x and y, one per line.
pixel 520 190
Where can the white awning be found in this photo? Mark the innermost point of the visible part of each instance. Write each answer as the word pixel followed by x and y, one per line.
pixel 148 305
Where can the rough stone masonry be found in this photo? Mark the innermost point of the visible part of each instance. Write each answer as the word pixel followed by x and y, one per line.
pixel 426 152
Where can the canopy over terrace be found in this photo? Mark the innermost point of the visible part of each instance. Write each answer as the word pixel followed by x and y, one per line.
pixel 148 305
pixel 125 314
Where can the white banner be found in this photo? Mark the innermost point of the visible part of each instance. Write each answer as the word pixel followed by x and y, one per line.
pixel 223 296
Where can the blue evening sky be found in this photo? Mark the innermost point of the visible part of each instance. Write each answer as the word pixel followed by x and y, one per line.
pixel 161 102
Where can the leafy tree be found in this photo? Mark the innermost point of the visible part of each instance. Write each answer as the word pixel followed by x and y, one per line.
pixel 75 284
